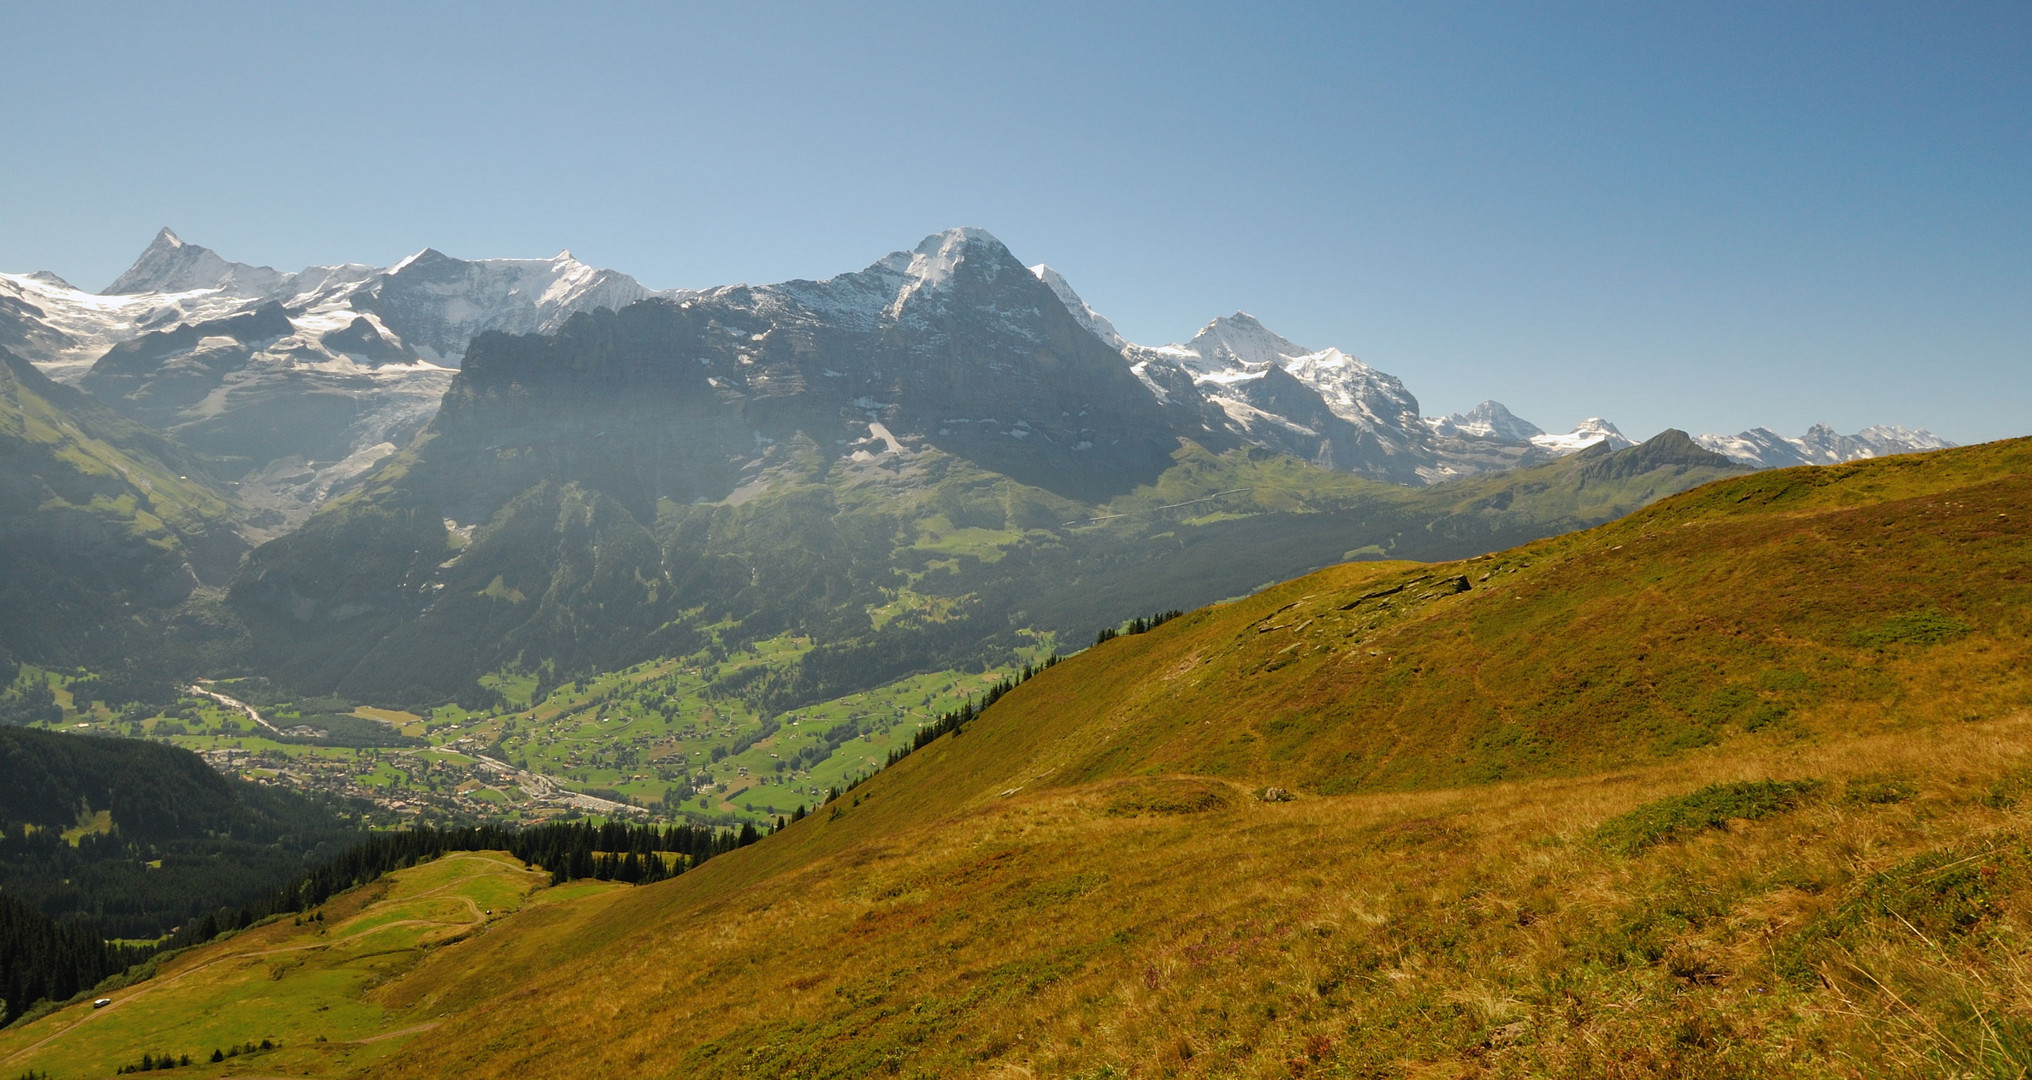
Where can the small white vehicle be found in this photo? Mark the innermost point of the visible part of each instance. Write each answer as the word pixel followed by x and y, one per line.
pixel 102 1003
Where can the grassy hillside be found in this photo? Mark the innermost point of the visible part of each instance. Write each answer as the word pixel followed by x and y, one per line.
pixel 102 520
pixel 1735 786
pixel 303 987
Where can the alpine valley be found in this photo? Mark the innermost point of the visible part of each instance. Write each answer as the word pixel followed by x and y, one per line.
pixel 902 673
pixel 506 502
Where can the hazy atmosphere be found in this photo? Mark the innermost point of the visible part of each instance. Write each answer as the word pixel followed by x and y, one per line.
pixel 1710 217
pixel 1089 542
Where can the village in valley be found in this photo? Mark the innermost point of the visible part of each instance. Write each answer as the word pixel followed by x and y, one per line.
pixel 649 743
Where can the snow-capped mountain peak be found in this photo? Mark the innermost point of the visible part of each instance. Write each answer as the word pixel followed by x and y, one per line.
pixel 168 265
pixel 1892 439
pixel 1081 311
pixel 1489 420
pixel 940 257
pixel 1821 445
pixel 1238 340
pixel 437 303
pixel 1587 433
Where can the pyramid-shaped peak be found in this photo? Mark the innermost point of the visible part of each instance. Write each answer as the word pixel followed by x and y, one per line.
pixel 1241 340
pixel 974 254
pixel 170 265
pixel 1492 419
pixel 428 257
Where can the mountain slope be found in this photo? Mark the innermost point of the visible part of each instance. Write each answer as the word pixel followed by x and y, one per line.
pixel 1011 896
pixel 293 384
pixel 104 521
pixel 1094 877
pixel 155 837
pixel 584 501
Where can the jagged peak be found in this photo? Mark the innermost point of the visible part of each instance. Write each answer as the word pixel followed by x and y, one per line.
pixel 1589 432
pixel 940 257
pixel 1241 340
pixel 959 236
pixel 425 257
pixel 1896 435
pixel 1081 311
pixel 169 264
pixel 1489 419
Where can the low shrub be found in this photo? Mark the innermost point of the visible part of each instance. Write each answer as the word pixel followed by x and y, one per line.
pixel 1711 807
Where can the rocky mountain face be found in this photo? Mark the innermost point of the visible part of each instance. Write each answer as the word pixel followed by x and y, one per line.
pixel 576 453
pixel 953 345
pixel 770 459
pixel 298 383
pixel 1241 381
pixel 430 304
pixel 168 265
pixel 295 384
pixel 1487 420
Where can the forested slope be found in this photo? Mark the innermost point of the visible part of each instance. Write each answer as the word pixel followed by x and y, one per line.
pixel 131 838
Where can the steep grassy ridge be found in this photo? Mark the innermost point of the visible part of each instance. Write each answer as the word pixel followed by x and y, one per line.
pixel 1830 600
pixel 1083 880
pixel 1177 926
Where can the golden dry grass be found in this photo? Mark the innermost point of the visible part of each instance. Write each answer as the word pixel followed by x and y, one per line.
pixel 1084 883
pixel 1437 933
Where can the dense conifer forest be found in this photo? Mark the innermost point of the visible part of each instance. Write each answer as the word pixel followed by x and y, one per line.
pixel 130 838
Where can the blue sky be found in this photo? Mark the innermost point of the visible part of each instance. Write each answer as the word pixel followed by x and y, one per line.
pixel 1708 216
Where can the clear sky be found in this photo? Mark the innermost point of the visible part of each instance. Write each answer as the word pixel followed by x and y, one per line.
pixel 1707 216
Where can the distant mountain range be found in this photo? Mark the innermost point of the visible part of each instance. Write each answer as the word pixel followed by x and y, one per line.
pixel 295 384
pixel 552 468
pixel 298 383
pixel 915 466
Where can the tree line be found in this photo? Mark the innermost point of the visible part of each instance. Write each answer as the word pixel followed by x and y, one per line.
pixel 43 959
pixel 46 959
pixel 1141 624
